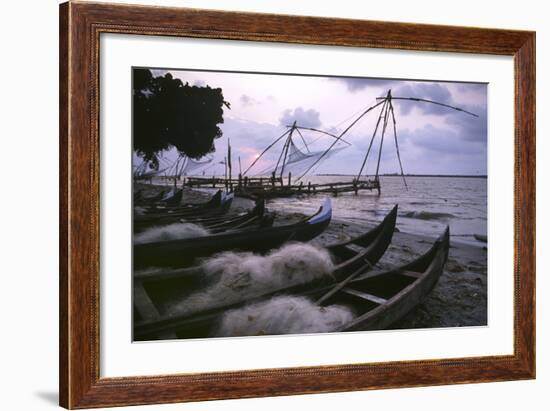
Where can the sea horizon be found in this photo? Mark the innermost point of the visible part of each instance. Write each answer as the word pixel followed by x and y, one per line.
pixel 409 175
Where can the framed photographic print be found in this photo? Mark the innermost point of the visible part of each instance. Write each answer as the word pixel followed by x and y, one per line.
pixel 256 205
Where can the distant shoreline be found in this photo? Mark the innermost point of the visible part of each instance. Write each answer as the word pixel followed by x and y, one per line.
pixel 409 175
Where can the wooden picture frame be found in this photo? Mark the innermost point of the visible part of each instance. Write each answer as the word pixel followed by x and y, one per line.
pixel 80 27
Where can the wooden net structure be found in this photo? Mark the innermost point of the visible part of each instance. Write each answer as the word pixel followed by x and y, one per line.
pixel 291 158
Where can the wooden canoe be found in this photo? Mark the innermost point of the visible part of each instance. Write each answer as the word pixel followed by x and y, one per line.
pixel 172 215
pixel 351 257
pixel 213 202
pixel 143 201
pixel 379 299
pixel 162 209
pixel 178 253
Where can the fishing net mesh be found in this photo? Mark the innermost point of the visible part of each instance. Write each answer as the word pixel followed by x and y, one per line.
pixel 297 161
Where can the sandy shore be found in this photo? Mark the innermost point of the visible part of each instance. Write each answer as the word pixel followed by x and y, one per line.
pixel 459 298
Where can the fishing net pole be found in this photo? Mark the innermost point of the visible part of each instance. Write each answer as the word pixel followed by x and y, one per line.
pixel 265 150
pixel 339 138
pixel 323 132
pixel 397 145
pixel 423 100
pixel 303 139
pixel 372 139
pixel 383 134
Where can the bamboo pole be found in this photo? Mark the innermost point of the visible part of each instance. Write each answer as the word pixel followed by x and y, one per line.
pixel 383 133
pixel 303 139
pixel 322 132
pixel 397 145
pixel 225 171
pixel 423 100
pixel 280 156
pixel 265 150
pixel 289 140
pixel 339 138
pixel 229 163
pixel 371 140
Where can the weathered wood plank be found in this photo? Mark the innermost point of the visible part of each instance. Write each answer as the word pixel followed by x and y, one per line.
pixel 372 298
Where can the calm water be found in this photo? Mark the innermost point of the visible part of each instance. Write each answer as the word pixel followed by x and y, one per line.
pixel 429 204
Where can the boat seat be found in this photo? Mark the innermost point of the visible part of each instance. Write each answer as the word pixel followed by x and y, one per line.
pixel 412 274
pixel 366 296
pixel 147 310
pixel 143 303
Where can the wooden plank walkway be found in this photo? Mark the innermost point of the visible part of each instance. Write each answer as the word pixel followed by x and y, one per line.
pixel 275 187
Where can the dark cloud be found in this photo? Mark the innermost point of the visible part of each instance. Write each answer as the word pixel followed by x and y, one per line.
pixel 425 150
pixel 438 140
pixel 354 84
pixel 305 118
pixel 432 149
pixel 477 87
pixel 435 150
pixel 464 128
pixel 469 128
pixel 429 91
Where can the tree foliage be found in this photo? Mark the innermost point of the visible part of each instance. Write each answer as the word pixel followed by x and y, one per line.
pixel 168 113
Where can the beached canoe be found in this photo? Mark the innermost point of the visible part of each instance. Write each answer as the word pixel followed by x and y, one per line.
pixel 351 257
pixel 178 253
pixel 255 217
pixel 170 197
pixel 379 299
pixel 138 196
pixel 141 200
pixel 481 237
pixel 161 216
pixel 173 197
pixel 214 201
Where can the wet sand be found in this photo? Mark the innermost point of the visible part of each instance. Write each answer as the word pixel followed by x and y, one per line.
pixel 458 299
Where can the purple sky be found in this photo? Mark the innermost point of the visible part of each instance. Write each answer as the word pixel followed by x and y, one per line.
pixel 432 139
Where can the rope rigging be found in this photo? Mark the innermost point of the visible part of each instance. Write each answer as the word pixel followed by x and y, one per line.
pixel 423 100
pixel 291 155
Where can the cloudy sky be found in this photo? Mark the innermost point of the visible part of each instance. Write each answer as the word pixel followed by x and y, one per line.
pixel 432 139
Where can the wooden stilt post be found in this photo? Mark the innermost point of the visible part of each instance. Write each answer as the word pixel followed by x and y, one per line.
pixel 229 164
pixel 289 178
